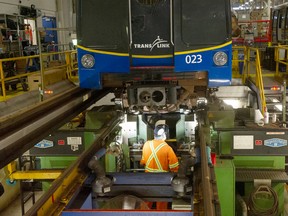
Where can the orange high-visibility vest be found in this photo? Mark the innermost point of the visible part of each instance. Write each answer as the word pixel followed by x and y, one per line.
pixel 158 156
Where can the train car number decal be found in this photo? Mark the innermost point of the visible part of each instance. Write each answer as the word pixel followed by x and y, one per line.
pixel 193 59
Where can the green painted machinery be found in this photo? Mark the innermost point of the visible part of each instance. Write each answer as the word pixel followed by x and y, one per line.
pixel 250 162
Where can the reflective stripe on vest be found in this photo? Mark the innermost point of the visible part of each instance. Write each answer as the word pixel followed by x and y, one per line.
pixel 171 166
pixel 154 155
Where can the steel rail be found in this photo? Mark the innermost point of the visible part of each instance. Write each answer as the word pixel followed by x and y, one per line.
pixel 20 132
pixel 207 189
pixel 61 191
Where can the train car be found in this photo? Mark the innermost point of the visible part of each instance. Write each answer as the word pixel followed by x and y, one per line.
pixel 158 46
pixel 280 25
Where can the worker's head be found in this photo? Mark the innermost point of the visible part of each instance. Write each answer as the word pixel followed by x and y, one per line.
pixel 161 132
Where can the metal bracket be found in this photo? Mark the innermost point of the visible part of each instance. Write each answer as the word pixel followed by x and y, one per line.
pixel 259 182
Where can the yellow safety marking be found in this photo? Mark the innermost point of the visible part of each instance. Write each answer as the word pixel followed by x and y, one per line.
pixel 170 140
pixel 174 165
pixel 102 52
pixel 151 156
pixel 12 167
pixel 63 194
pixel 204 49
pixel 154 155
pixel 154 170
pixel 36 174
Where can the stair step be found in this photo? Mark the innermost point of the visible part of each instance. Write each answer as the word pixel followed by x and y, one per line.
pixel 273 103
pixel 273 94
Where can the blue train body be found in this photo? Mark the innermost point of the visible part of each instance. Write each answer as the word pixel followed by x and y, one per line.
pixel 123 35
pixel 182 62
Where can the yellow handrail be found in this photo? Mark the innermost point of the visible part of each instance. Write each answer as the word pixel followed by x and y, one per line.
pixel 279 60
pixel 258 74
pixel 67 64
pixel 238 61
pixel 2 80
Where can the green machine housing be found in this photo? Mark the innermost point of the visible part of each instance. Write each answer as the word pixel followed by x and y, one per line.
pixel 248 156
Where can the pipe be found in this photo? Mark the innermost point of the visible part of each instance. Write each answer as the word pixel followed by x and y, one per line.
pixel 95 165
pixel 280 5
pixel 243 205
pixel 100 153
pixel 184 96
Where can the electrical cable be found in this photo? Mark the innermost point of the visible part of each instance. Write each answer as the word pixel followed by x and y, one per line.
pixel 263 192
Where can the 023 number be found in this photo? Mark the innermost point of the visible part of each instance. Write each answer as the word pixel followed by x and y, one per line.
pixel 193 59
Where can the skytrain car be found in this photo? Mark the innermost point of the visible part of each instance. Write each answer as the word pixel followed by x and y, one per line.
pixel 158 46
pixel 280 25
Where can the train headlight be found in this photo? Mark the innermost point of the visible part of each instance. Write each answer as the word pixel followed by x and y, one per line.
pixel 87 61
pixel 220 58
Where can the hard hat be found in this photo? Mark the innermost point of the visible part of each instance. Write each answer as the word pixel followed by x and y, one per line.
pixel 161 130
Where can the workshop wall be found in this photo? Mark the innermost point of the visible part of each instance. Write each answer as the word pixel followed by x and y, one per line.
pixel 11 6
pixel 66 18
pixel 63 10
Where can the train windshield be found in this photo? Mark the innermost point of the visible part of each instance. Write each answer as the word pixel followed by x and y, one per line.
pixel 107 22
pixel 102 24
pixel 208 21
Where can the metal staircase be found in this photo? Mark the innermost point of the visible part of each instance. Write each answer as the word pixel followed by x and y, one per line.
pixel 270 88
pixel 276 102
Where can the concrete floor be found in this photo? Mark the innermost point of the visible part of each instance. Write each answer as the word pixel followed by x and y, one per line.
pixel 14 209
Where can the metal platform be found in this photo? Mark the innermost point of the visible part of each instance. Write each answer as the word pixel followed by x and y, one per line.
pixel 31 98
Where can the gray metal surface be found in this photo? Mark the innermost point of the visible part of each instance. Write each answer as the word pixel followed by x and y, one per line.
pixel 31 98
pixel 19 132
pixel 248 175
pixel 141 178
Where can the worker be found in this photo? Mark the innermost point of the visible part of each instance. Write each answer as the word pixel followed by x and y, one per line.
pixel 158 156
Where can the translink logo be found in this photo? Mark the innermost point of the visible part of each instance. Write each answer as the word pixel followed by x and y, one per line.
pixel 158 43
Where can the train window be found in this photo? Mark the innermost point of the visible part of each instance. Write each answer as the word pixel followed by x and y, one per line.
pixel 285 29
pixel 281 25
pixel 102 24
pixel 282 18
pixel 275 18
pixel 150 2
pixel 204 26
pixel 275 26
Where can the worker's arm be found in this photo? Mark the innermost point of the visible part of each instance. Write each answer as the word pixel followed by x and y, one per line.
pixel 173 161
pixel 144 154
